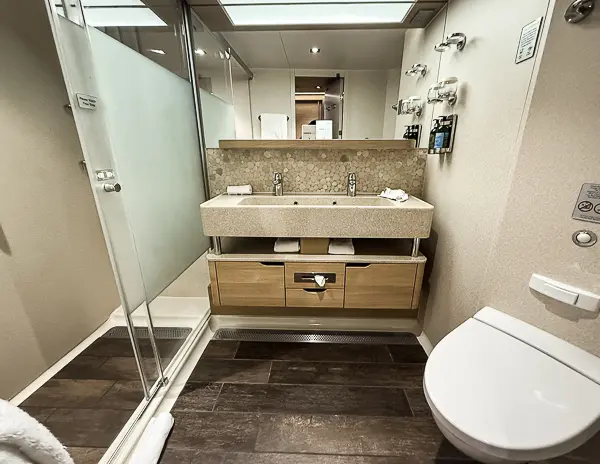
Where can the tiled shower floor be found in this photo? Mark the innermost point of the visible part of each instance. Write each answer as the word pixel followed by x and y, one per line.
pixel 89 401
pixel 303 403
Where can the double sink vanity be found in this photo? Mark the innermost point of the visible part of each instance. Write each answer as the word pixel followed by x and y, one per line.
pixel 381 279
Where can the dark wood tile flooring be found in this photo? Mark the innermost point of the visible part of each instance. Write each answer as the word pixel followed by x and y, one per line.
pixel 89 401
pixel 302 403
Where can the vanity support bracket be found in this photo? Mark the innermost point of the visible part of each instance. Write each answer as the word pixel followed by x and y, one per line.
pixel 216 245
pixel 415 247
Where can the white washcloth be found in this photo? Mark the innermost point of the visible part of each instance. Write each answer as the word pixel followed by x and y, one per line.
pixel 287 245
pixel 239 190
pixel 153 440
pixel 273 126
pixel 398 195
pixel 24 438
pixel 341 246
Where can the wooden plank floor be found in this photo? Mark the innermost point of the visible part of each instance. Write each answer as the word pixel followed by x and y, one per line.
pixel 302 403
pixel 89 401
pixel 255 402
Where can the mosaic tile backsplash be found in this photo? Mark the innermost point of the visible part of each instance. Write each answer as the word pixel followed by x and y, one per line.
pixel 317 170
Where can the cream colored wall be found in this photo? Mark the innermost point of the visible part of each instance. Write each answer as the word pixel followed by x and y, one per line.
pixel 364 104
pixel 469 187
pixel 56 285
pixel 391 98
pixel 558 153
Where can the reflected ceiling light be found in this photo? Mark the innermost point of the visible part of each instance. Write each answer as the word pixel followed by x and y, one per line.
pixel 309 12
pixel 318 87
pixel 200 52
pixel 157 51
pixel 107 16
pixel 315 50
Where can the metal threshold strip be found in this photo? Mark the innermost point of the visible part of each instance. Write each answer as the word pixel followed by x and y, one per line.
pixel 317 336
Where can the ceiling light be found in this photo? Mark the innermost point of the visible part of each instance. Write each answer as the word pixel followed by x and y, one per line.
pixel 318 87
pixel 157 51
pixel 200 52
pixel 221 55
pixel 309 12
pixel 315 50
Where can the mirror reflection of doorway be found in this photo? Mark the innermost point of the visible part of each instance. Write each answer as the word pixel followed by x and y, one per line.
pixel 319 98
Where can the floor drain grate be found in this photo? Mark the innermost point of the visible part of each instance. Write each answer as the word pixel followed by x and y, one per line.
pixel 371 338
pixel 142 332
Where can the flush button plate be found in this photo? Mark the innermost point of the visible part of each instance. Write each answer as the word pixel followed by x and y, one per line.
pixel 105 174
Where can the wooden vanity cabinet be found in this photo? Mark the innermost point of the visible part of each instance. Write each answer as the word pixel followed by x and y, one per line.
pixel 248 283
pixel 354 286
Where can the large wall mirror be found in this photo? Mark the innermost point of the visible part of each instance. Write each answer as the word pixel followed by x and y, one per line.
pixel 313 62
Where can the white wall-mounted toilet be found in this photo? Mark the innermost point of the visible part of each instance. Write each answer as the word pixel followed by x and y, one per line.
pixel 504 391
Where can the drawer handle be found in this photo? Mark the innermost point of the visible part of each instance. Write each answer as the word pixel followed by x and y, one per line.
pixel 303 277
pixel 315 290
pixel 358 264
pixel 271 263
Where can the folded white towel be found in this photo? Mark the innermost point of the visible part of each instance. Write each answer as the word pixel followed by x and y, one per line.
pixel 287 245
pixel 153 440
pixel 341 246
pixel 398 195
pixel 23 436
pixel 273 126
pixel 239 190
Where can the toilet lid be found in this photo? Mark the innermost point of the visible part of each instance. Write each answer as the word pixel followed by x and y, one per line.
pixel 500 391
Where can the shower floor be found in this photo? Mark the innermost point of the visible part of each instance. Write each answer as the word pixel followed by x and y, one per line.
pixel 87 403
pixel 255 402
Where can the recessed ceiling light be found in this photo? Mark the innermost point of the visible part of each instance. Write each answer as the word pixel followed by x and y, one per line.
pixel 200 52
pixel 315 50
pixel 318 87
pixel 157 51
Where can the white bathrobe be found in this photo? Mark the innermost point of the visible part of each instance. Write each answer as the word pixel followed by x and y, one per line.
pixel 23 440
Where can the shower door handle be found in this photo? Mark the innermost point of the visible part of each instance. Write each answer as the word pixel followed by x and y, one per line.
pixel 111 187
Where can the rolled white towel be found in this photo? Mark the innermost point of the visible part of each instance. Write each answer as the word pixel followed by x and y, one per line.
pixel 239 190
pixel 341 246
pixel 153 440
pixel 24 438
pixel 287 245
pixel 398 195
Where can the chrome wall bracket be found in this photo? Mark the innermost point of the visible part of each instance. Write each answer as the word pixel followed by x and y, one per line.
pixel 417 70
pixel 579 10
pixel 411 105
pixel 456 38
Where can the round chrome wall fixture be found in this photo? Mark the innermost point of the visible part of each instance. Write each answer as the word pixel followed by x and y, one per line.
pixel 579 10
pixel 584 238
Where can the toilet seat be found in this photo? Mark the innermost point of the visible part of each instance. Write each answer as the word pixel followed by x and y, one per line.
pixel 502 396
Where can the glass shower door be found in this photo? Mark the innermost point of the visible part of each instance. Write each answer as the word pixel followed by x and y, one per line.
pixel 137 126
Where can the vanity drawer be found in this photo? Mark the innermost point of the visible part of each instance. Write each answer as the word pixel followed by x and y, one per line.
pixel 311 298
pixel 375 286
pixel 298 275
pixel 244 283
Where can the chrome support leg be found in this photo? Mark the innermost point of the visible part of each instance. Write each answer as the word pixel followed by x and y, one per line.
pixel 415 247
pixel 216 243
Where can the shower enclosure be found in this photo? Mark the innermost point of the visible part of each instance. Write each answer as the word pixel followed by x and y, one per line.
pixel 136 97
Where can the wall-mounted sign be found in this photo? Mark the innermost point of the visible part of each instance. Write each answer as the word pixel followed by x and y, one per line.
pixel 587 207
pixel 87 102
pixel 530 35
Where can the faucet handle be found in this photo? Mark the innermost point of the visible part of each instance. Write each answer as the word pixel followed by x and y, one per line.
pixel 352 177
pixel 277 178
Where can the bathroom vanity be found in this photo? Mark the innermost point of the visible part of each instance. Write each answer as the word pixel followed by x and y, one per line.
pixel 382 279
pixel 384 276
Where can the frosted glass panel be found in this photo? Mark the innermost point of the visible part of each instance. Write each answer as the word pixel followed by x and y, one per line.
pixel 152 127
pixel 218 119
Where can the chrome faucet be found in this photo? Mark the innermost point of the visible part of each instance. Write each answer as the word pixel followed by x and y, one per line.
pixel 277 184
pixel 352 184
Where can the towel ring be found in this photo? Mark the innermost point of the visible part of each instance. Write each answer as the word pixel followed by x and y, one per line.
pixel 288 118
